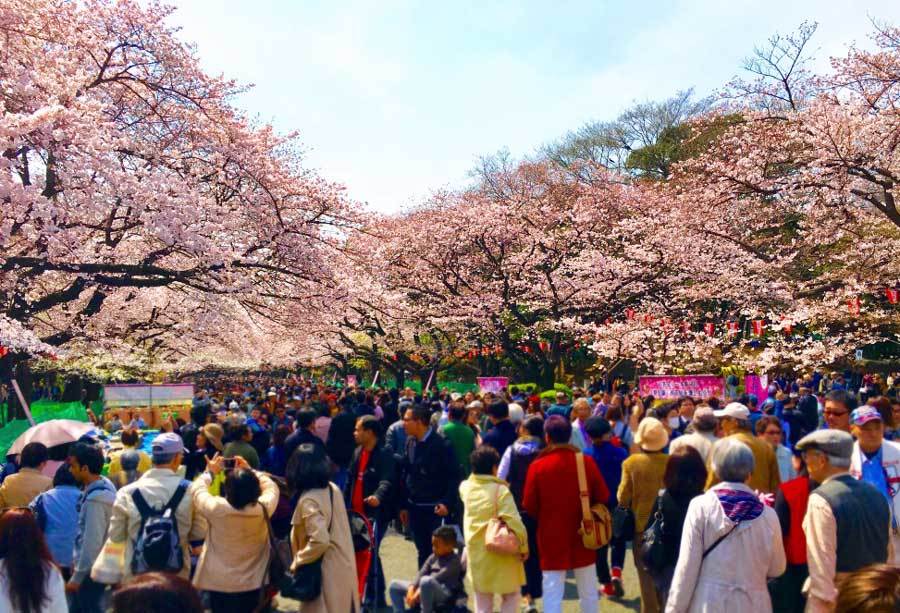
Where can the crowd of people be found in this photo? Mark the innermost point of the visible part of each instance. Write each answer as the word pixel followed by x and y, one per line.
pixel 784 503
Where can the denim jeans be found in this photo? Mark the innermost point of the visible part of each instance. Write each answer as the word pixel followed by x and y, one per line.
pixel 431 594
pixel 89 597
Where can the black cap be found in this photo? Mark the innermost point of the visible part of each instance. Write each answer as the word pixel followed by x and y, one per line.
pixel 597 427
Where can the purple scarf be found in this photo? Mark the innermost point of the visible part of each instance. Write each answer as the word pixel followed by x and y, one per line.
pixel 739 505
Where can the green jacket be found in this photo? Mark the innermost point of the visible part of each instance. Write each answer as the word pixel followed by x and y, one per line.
pixel 462 439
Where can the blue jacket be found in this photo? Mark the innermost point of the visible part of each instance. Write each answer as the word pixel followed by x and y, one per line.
pixel 609 459
pixel 501 436
pixel 56 510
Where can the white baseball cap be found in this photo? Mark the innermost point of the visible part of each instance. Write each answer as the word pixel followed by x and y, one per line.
pixel 735 410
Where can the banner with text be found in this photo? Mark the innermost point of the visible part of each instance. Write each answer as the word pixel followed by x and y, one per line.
pixel 758 385
pixel 492 384
pixel 676 386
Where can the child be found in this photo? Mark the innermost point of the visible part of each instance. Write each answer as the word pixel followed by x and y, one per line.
pixel 439 580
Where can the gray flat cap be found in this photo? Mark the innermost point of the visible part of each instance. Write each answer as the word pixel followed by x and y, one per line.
pixel 835 443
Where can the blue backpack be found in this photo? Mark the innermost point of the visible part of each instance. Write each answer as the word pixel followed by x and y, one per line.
pixel 158 546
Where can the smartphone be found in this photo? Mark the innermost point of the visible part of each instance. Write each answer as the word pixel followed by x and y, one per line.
pixel 229 464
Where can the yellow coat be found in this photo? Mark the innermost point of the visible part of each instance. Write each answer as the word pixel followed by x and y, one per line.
pixel 489 572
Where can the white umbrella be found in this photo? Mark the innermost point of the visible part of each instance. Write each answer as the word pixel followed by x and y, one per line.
pixel 51 433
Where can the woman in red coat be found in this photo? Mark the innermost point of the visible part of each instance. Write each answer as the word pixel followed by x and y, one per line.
pixel 552 498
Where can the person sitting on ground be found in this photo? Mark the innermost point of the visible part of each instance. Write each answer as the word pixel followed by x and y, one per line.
pixel 21 488
pixel 439 581
pixel 130 441
pixel 114 424
pixel 240 446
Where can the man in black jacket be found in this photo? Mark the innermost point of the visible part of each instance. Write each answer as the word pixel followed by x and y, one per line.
pixel 370 492
pixel 340 442
pixel 305 421
pixel 430 478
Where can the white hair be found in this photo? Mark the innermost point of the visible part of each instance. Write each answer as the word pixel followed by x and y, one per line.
pixel 732 460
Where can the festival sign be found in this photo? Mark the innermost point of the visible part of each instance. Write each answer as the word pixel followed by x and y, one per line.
pixel 351 381
pixel 492 384
pixel 757 385
pixel 676 386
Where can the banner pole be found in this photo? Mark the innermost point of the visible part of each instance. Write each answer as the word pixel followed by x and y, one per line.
pixel 25 406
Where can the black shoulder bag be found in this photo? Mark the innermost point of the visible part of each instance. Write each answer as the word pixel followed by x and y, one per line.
pixel 305 583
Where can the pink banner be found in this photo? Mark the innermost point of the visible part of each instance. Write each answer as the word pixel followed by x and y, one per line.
pixel 351 381
pixel 676 386
pixel 757 384
pixel 492 384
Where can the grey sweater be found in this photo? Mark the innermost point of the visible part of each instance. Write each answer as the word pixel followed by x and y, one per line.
pixel 94 511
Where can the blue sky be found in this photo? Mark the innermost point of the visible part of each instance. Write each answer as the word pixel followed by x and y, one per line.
pixel 398 98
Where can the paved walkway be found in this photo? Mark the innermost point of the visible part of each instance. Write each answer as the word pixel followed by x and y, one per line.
pixel 399 558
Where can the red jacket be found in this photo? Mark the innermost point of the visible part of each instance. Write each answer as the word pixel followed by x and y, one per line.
pixel 551 498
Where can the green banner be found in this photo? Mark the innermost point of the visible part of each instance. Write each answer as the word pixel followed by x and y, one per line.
pixel 41 410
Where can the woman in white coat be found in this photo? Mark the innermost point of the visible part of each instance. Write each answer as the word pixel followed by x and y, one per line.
pixel 731 543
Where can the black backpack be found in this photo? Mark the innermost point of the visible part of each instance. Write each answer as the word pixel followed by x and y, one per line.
pixel 158 546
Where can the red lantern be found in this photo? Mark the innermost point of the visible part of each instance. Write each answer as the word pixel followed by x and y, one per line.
pixel 787 326
pixel 685 327
pixel 854 306
pixel 709 328
pixel 648 319
pixel 3 351
pixel 544 346
pixel 732 328
pixel 758 327
pixel 893 295
pixel 629 314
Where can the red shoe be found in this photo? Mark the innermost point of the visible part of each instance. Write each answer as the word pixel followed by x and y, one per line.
pixel 608 590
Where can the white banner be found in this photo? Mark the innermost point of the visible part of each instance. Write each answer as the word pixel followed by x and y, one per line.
pixel 139 395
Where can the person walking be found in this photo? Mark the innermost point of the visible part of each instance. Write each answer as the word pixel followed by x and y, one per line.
pixel 877 461
pixel 790 505
pixel 21 488
pixel 130 440
pixel 642 478
pixel 730 544
pixel 321 531
pixel 29 581
pixel 160 488
pixel 769 429
pixel 460 435
pixel 486 499
pixel 683 481
pixel 702 434
pixel 128 472
pixel 233 563
pixel 502 433
pixel 94 511
pixel 847 522
pixel 56 512
pixel 430 478
pixel 609 459
pixel 370 492
pixel 240 446
pixel 514 468
pixel 734 420
pixel 340 443
pixel 551 489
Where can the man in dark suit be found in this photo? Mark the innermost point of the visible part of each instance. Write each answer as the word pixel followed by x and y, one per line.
pixel 431 478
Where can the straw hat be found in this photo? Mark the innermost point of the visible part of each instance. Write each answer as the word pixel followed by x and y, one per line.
pixel 214 434
pixel 651 434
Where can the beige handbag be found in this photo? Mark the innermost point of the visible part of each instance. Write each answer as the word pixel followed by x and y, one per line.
pixel 596 522
pixel 498 538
